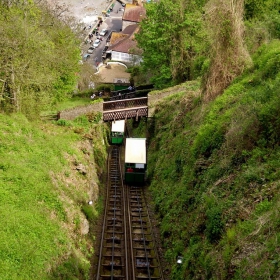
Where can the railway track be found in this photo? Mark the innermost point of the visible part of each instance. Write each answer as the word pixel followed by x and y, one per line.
pixel 127 248
pixel 144 256
pixel 112 262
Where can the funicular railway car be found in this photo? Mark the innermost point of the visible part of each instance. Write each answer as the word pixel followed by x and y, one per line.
pixel 117 132
pixel 135 161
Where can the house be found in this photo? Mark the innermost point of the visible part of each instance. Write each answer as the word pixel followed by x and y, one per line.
pixel 123 46
pixel 133 14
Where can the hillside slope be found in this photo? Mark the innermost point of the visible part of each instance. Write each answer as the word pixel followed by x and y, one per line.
pixel 47 177
pixel 214 170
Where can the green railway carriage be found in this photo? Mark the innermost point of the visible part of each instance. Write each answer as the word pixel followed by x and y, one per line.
pixel 117 132
pixel 135 161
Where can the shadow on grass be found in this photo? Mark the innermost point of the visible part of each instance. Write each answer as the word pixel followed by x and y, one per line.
pixel 71 269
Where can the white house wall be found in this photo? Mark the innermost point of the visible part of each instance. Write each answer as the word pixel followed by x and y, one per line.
pixel 126 57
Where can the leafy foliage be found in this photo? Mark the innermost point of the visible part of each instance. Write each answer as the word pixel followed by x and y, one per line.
pixel 214 223
pixel 183 40
pixel 171 40
pixel 40 59
pixel 214 173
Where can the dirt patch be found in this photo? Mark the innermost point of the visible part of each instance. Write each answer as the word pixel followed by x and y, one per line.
pixel 113 74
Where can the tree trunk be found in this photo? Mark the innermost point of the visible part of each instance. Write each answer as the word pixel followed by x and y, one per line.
pixel 14 92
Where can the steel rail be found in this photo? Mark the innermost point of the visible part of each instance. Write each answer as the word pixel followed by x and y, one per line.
pixel 113 237
pixel 143 235
pixel 153 239
pixel 104 222
pixel 127 244
pixel 147 265
pixel 129 230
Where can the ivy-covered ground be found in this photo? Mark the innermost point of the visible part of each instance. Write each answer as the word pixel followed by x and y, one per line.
pixel 214 175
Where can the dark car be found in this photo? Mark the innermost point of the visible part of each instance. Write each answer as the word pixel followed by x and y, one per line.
pixel 90 50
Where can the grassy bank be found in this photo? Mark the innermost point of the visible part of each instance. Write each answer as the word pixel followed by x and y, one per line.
pixel 214 172
pixel 47 175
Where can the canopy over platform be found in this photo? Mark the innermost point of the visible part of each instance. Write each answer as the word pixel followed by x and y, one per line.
pixel 135 150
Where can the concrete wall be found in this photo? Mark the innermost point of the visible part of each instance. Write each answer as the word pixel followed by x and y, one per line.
pixel 126 57
pixel 71 114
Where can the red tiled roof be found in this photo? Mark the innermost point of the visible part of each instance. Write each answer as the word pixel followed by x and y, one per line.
pixel 117 37
pixel 134 13
pixel 125 46
pixel 130 29
pixel 125 43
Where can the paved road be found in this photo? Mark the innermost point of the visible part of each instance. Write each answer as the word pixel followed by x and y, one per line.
pixel 112 23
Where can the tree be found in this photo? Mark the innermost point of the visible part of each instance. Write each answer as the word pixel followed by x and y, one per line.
pixel 39 57
pixel 171 40
pixel 87 76
pixel 262 22
pixel 253 8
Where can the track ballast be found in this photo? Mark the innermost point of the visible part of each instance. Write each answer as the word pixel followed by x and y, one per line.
pixel 127 247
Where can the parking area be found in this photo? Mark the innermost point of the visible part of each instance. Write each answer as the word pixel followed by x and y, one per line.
pixel 97 36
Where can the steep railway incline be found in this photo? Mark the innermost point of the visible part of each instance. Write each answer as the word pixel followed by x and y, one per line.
pixel 113 255
pixel 127 247
pixel 144 254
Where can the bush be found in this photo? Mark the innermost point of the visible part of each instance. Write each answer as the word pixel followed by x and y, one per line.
pixel 209 138
pixel 84 93
pixel 105 88
pixel 214 223
pixel 62 122
pixel 88 211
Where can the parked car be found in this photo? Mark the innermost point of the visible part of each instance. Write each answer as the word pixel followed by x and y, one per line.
pixel 103 32
pixel 96 43
pixel 86 57
pixel 105 49
pixel 90 50
pixel 110 35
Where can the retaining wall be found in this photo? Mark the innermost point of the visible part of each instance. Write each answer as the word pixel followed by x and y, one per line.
pixel 73 113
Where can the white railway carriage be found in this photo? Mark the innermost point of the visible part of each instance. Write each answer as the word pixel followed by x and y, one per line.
pixel 135 160
pixel 117 132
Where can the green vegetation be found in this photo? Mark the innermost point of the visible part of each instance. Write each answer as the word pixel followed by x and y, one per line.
pixel 214 174
pixel 39 55
pixel 43 196
pixel 48 171
pixel 213 161
pixel 172 40
pixel 75 101
pixel 214 39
